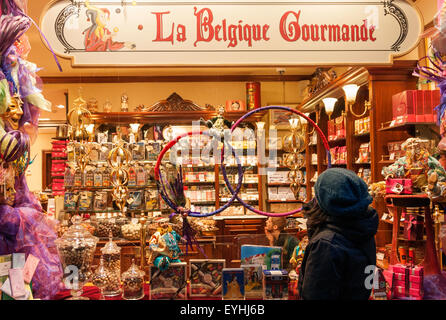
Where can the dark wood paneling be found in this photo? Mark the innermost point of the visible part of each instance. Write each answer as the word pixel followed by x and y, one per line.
pixel 131 79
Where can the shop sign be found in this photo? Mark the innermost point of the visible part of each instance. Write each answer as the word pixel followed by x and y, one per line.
pixel 243 32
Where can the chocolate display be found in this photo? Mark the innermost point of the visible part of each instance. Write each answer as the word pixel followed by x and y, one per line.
pixel 206 277
pixel 133 283
pixel 168 284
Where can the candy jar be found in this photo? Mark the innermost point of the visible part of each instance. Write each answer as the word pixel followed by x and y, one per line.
pixel 100 277
pixel 133 283
pixel 76 249
pixel 111 254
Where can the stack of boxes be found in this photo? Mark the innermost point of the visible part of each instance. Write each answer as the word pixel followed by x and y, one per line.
pixel 406 281
pixel 415 106
pixel 336 129
pixel 58 166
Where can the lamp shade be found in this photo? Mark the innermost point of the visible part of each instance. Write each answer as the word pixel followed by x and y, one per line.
pixel 294 122
pixel 134 127
pixel 350 92
pixel 303 120
pixel 329 104
pixel 260 125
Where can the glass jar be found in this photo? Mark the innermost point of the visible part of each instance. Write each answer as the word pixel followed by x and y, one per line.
pixel 111 254
pixel 133 283
pixel 76 250
pixel 100 277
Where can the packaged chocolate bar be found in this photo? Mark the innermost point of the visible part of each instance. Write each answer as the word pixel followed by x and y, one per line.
pixel 89 177
pixel 140 176
pixel 94 155
pixel 98 177
pixel 138 151
pixel 275 284
pixel 85 200
pixel 104 151
pixel 106 178
pixel 205 276
pixel 78 179
pixel 269 257
pixel 169 284
pixel 69 177
pixel 151 154
pixel 135 200
pixel 70 201
pixel 233 284
pixel 5 265
pixel 100 200
pixel 253 274
pixel 132 176
pixel 102 137
pixel 151 200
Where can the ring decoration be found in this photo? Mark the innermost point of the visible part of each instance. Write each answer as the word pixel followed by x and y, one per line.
pixel 236 124
pixel 161 185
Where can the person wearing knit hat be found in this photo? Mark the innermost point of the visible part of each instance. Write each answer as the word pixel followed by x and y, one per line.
pixel 341 227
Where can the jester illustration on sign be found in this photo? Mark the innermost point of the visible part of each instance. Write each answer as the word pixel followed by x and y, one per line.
pixel 98 37
pixel 23 226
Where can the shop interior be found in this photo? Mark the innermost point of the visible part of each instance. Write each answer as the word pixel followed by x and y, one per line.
pixel 141 109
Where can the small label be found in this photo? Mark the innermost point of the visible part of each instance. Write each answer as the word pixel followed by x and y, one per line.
pixel 384 217
pixel 4 268
pixel 380 256
pixel 134 220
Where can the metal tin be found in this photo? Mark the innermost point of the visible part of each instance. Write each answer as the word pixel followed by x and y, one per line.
pixel 252 95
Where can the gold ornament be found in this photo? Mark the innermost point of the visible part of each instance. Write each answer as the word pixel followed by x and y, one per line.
pixel 13 112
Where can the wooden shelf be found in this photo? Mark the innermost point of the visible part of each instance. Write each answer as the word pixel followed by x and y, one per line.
pixel 386 161
pixel 360 135
pixel 286 201
pixel 176 117
pixel 405 126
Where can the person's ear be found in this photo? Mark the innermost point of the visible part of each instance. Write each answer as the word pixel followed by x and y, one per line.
pixel 275 227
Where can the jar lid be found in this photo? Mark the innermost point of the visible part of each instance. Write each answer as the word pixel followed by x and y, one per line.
pixel 77 234
pixel 133 271
pixel 111 247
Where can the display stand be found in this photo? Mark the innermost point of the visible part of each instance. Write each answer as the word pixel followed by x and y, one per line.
pixel 430 262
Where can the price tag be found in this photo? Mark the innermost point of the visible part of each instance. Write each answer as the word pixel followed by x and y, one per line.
pixel 392 156
pixel 392 123
pixel 134 220
pixel 380 256
pixel 384 217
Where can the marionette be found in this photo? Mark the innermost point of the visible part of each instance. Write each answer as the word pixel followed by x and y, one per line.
pixel 23 226
pixel 163 247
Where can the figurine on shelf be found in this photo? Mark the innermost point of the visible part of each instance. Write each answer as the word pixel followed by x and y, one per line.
pixel 92 105
pixel 107 107
pixel 218 123
pixel 124 102
pixel 417 165
pixel 163 247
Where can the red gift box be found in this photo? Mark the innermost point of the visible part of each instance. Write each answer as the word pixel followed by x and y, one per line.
pixel 428 107
pixel 416 294
pixel 400 292
pixel 413 227
pixel 400 268
pixel 400 277
pixel 435 102
pixel 398 186
pixel 417 271
pixel 404 106
pixel 416 279
pixel 419 96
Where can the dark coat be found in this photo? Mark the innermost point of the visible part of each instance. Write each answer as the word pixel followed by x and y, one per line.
pixel 335 259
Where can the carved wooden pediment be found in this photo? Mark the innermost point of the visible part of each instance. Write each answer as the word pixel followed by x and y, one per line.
pixel 174 103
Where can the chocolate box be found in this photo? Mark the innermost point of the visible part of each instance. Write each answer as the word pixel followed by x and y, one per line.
pixel 233 284
pixel 170 283
pixel 205 276
pixel 253 274
pixel 419 96
pixel 428 106
pixel 275 284
pixel 404 106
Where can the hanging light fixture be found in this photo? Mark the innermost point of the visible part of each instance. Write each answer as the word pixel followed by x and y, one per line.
pixel 329 104
pixel 351 90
